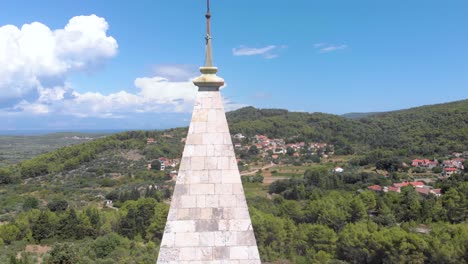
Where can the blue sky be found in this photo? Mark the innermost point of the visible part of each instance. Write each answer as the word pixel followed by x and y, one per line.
pixel 127 65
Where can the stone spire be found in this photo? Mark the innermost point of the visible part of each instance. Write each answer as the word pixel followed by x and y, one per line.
pixel 209 53
pixel 208 221
pixel 208 79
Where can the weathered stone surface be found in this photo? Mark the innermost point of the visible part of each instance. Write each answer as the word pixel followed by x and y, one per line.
pixel 208 220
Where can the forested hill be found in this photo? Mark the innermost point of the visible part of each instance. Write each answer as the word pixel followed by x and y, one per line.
pixel 426 130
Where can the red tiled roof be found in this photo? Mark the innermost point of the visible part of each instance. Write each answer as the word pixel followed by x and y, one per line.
pixel 417 183
pixel 375 188
pixel 450 169
pixel 402 184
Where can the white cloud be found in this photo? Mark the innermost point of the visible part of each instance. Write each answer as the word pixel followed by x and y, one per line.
pixel 267 52
pixel 246 51
pixel 32 108
pixel 34 56
pixel 325 47
pixel 35 62
pixel 155 95
pixel 176 72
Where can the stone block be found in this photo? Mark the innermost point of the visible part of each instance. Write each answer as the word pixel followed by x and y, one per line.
pixel 207 239
pixel 205 213
pixel 241 213
pixel 213 139
pixel 223 163
pixel 187 239
pixel 180 226
pixel 211 163
pixel 237 188
pixel 227 200
pixel 180 190
pixel 168 254
pixel 212 201
pixel 200 115
pixel 183 214
pixel 201 189
pixel 206 225
pixel 210 150
pixel 201 201
pixel 198 128
pixel 253 252
pixel 212 115
pixel 221 253
pixel 225 188
pixel 239 252
pixel 225 238
pixel 168 240
pixel 189 151
pixel 187 201
pixel 194 139
pixel 246 238
pixel 187 253
pixel 197 163
pixel 215 176
pixel 240 201
pixel 199 151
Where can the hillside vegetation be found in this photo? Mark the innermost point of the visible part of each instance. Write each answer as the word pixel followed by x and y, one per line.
pixel 56 199
pixel 427 130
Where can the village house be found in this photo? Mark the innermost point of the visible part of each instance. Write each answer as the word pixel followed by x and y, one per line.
pixel 279 151
pixel 150 141
pixel 376 188
pixel 424 163
pixel 108 203
pixel 419 187
pixel 338 169
pixel 392 189
pixel 449 171
pixel 239 136
pixel 454 163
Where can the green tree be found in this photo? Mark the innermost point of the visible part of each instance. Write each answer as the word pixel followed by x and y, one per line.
pixel 454 203
pixel 30 203
pixel 57 205
pixel 43 227
pixel 156 165
pixel 63 253
pixel 410 208
pixel 75 226
pixel 105 245
pixel 9 233
pixel 358 209
pixel 315 237
pixel 128 224
pixel 6 176
pixel 388 164
pixel 354 242
pixel 253 151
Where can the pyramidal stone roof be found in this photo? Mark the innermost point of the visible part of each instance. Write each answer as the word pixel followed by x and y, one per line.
pixel 208 220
